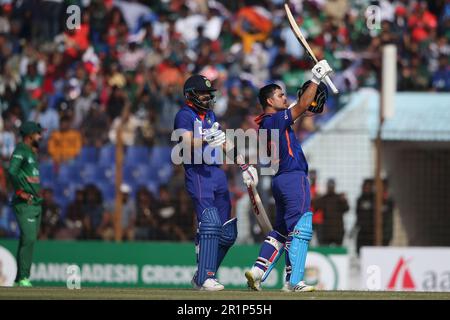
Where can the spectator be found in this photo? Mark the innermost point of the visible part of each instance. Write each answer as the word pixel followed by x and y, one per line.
pixel 130 59
pixel 51 216
pixel 4 223
pixel 146 133
pixel 95 127
pixel 249 34
pixel 169 229
pixel 75 218
pixel 129 124
pixel 117 98
pixel 97 222
pixel 441 78
pixel 169 105
pixel 76 40
pixel 317 219
pixel 31 88
pixel 47 117
pixel 365 212
pixel 7 141
pixel 237 107
pixel 84 103
pixel 365 208
pixel 64 144
pixel 421 21
pixel 388 214
pixel 333 206
pixel 185 216
pixel 128 212
pixel 147 220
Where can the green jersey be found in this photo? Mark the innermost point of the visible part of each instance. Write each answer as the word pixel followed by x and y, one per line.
pixel 24 173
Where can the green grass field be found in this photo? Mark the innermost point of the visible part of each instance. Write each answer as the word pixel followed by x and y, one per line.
pixel 47 293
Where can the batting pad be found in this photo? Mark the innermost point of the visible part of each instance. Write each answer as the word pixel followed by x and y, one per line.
pixel 276 240
pixel 301 236
pixel 227 239
pixel 210 229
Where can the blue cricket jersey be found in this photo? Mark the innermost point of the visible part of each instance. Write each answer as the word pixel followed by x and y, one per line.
pixel 186 119
pixel 292 158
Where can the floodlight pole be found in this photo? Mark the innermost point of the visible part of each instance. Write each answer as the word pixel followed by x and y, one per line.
pixel 386 111
pixel 119 172
pixel 378 181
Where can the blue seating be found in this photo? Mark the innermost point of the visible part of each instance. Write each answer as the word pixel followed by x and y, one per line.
pixel 108 190
pixel 87 155
pixel 108 172
pixel 4 218
pixel 153 187
pixel 63 202
pixel 64 192
pixel 160 155
pixel 165 173
pixel 13 230
pixel 69 173
pixel 127 174
pixel 137 155
pixel 91 173
pixel 46 184
pixel 46 171
pixel 107 155
pixel 140 174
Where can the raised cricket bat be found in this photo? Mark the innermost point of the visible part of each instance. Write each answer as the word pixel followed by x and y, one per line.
pixel 298 34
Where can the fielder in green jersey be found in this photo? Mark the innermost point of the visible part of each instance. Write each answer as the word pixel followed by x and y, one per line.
pixel 24 174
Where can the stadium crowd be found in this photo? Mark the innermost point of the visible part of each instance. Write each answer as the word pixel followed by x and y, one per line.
pixel 124 67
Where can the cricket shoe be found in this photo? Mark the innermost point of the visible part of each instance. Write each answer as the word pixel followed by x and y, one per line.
pixel 211 284
pixel 254 279
pixel 300 287
pixel 25 282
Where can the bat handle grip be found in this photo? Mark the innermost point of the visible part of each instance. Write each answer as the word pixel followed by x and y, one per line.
pixel 331 85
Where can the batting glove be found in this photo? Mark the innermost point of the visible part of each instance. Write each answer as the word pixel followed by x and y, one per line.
pixel 214 136
pixel 249 175
pixel 320 71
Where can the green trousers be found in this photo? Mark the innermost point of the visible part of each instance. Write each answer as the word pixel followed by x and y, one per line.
pixel 29 220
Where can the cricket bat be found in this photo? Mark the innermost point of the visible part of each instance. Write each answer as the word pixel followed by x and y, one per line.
pixel 258 209
pixel 298 34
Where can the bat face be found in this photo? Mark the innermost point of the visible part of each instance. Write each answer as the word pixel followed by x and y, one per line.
pixel 298 34
pixel 259 211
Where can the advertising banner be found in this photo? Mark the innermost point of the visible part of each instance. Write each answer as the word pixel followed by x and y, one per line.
pixel 157 265
pixel 400 269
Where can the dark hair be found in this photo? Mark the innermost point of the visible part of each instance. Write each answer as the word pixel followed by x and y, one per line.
pixel 266 92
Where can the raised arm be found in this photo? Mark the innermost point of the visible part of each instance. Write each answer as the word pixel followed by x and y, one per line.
pixel 319 71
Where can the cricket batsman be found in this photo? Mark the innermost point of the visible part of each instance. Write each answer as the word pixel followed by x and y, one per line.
pixel 206 182
pixel 290 185
pixel 24 174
